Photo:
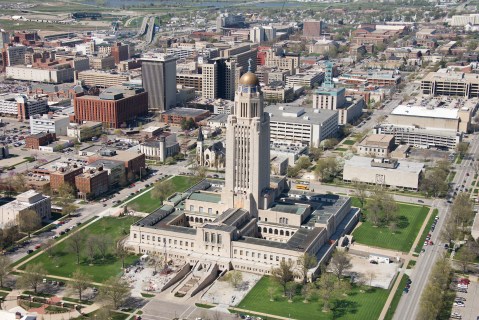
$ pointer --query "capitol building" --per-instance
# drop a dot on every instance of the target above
(251, 221)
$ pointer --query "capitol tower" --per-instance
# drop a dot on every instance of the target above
(248, 156)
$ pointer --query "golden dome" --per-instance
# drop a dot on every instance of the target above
(249, 79)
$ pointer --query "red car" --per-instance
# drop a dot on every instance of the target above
(465, 281)
(38, 246)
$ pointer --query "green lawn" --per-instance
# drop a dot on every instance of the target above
(349, 142)
(397, 296)
(101, 270)
(420, 244)
(356, 306)
(410, 219)
(145, 203)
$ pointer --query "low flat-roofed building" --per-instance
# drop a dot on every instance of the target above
(308, 79)
(385, 172)
(103, 79)
(49, 122)
(376, 145)
(278, 92)
(34, 141)
(85, 131)
(114, 168)
(421, 138)
(288, 150)
(29, 200)
(450, 83)
(177, 115)
(64, 174)
(304, 125)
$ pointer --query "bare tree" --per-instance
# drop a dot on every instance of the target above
(79, 282)
(370, 275)
(290, 290)
(5, 268)
(283, 274)
(162, 190)
(360, 191)
(235, 278)
(49, 247)
(103, 244)
(340, 262)
(32, 277)
(75, 244)
(271, 291)
(29, 221)
(330, 288)
(114, 292)
(306, 262)
(121, 252)
(91, 248)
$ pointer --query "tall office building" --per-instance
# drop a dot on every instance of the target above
(219, 79)
(159, 80)
(247, 139)
(312, 29)
(257, 35)
(120, 52)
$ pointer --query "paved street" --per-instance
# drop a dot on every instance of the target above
(409, 304)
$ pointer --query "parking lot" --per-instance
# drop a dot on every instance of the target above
(469, 308)
(383, 273)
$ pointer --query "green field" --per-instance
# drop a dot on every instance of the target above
(356, 306)
(145, 203)
(349, 142)
(397, 296)
(115, 228)
(410, 219)
(420, 244)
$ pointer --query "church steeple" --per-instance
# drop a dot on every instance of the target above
(200, 135)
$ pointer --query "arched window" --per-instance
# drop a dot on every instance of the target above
(270, 230)
(287, 233)
(201, 220)
(275, 231)
(281, 232)
(196, 219)
(265, 230)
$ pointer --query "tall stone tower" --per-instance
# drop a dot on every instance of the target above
(199, 148)
(247, 145)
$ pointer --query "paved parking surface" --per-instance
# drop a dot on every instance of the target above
(470, 311)
(166, 310)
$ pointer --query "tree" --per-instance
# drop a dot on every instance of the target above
(330, 143)
(330, 288)
(283, 274)
(5, 268)
(462, 148)
(303, 163)
(20, 183)
(32, 277)
(121, 253)
(327, 169)
(315, 153)
(103, 244)
(162, 190)
(157, 261)
(292, 172)
(49, 246)
(271, 291)
(360, 191)
(340, 262)
(306, 262)
(235, 278)
(370, 275)
(79, 282)
(29, 221)
(91, 248)
(75, 244)
(114, 292)
(450, 231)
(308, 291)
(10, 234)
(290, 290)
(381, 208)
(465, 257)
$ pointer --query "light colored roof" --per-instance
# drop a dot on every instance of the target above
(417, 111)
(377, 139)
(288, 113)
(365, 162)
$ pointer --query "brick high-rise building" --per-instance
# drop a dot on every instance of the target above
(92, 183)
(114, 107)
(64, 175)
(119, 52)
(312, 29)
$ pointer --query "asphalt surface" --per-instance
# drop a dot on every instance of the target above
(409, 304)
